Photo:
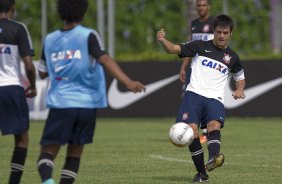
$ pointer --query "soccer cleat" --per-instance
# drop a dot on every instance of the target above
(215, 162)
(200, 178)
(49, 181)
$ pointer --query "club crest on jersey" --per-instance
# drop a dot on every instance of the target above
(227, 58)
(206, 28)
(66, 55)
(185, 116)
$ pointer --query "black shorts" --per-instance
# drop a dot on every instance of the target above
(200, 110)
(69, 126)
(14, 113)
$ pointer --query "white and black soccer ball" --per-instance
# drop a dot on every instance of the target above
(181, 134)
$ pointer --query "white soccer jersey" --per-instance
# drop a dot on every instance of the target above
(15, 43)
(210, 68)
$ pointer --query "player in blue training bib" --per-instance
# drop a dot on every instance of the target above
(74, 59)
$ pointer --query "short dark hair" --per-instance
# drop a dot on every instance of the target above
(6, 5)
(209, 2)
(223, 21)
(72, 10)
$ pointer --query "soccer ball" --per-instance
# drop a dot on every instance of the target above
(181, 134)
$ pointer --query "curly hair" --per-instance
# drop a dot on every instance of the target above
(72, 10)
(6, 5)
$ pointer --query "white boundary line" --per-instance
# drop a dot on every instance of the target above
(161, 157)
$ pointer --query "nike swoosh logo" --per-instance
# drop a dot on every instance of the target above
(208, 51)
(251, 92)
(120, 100)
(59, 68)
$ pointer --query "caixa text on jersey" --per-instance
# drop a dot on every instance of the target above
(4, 50)
(66, 55)
(216, 66)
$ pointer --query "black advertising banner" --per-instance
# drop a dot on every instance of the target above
(163, 91)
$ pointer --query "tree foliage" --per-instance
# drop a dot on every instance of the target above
(251, 36)
(137, 22)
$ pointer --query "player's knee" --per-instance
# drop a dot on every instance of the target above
(21, 140)
(213, 125)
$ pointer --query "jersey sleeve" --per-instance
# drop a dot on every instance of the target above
(189, 49)
(96, 47)
(238, 71)
(25, 43)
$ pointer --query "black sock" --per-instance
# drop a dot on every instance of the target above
(197, 154)
(17, 165)
(214, 140)
(45, 166)
(70, 170)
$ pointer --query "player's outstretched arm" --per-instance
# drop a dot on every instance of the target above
(115, 71)
(239, 91)
(168, 46)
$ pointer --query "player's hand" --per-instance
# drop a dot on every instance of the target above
(30, 92)
(182, 75)
(161, 35)
(238, 94)
(135, 86)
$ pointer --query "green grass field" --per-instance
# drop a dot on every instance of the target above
(137, 151)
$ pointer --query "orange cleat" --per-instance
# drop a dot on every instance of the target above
(203, 139)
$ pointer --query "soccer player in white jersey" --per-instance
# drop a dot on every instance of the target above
(15, 44)
(201, 29)
(203, 101)
(73, 57)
